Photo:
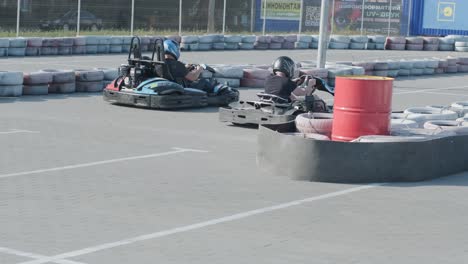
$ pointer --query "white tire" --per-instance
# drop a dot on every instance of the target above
(320, 123)
(61, 76)
(110, 74)
(461, 108)
(403, 123)
(460, 128)
(37, 78)
(11, 78)
(423, 114)
(235, 72)
(88, 75)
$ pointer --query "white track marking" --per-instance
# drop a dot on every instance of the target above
(17, 131)
(200, 225)
(34, 256)
(103, 162)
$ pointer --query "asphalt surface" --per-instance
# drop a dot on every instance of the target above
(84, 181)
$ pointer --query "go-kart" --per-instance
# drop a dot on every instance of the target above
(141, 83)
(272, 109)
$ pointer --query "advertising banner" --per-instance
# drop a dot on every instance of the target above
(281, 9)
(445, 14)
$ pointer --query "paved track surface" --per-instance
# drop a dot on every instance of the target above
(84, 181)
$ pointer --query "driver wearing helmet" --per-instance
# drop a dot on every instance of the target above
(178, 72)
(280, 83)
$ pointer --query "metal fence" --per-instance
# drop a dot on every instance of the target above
(75, 17)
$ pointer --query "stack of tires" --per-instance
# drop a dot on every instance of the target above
(463, 64)
(89, 80)
(11, 84)
(405, 68)
(338, 70)
(276, 42)
(289, 42)
(381, 68)
(63, 81)
(339, 42)
(446, 44)
(36, 83)
(49, 46)
(314, 42)
(34, 47)
(262, 42)
(419, 67)
(247, 42)
(231, 42)
(414, 43)
(79, 46)
(431, 43)
(116, 44)
(431, 66)
(126, 41)
(393, 68)
(206, 42)
(376, 42)
(218, 42)
(367, 66)
(461, 44)
(303, 42)
(92, 43)
(443, 64)
(189, 43)
(312, 124)
(254, 78)
(4, 44)
(395, 43)
(229, 75)
(103, 45)
(65, 46)
(17, 47)
(110, 74)
(452, 65)
(358, 42)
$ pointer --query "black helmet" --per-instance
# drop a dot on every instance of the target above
(285, 65)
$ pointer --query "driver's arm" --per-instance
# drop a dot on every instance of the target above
(194, 74)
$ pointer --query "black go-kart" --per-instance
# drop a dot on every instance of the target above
(141, 83)
(271, 109)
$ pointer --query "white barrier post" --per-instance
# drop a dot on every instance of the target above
(78, 19)
(18, 17)
(252, 16)
(224, 17)
(410, 11)
(301, 16)
(323, 37)
(333, 18)
(132, 19)
(264, 15)
(389, 18)
(362, 16)
(180, 18)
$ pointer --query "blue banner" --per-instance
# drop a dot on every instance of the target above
(445, 14)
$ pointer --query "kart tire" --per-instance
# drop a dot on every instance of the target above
(11, 90)
(388, 139)
(463, 60)
(304, 38)
(39, 89)
(79, 50)
(379, 46)
(89, 87)
(60, 76)
(91, 49)
(256, 73)
(417, 64)
(246, 46)
(5, 43)
(89, 75)
(115, 49)
(33, 51)
(432, 63)
(301, 45)
(37, 78)
(231, 46)
(392, 73)
(252, 83)
(18, 43)
(320, 123)
(34, 42)
(275, 46)
(406, 65)
(65, 50)
(16, 52)
(11, 78)
(62, 88)
(110, 74)
(249, 39)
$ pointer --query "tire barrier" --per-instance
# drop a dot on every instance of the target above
(89, 80)
(457, 127)
(36, 83)
(11, 84)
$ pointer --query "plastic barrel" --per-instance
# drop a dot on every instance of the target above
(362, 107)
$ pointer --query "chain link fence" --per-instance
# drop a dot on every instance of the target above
(155, 17)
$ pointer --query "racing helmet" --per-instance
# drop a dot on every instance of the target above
(172, 48)
(285, 65)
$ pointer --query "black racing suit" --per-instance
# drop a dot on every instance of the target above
(279, 86)
(177, 73)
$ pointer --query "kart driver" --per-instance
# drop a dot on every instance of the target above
(280, 83)
(179, 72)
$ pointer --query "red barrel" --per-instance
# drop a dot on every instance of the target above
(362, 107)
